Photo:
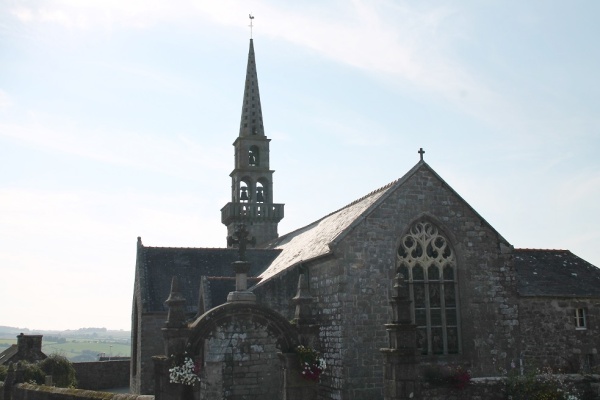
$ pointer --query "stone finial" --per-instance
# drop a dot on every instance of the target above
(242, 238)
(176, 304)
(303, 299)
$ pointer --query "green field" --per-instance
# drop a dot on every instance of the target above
(76, 349)
(80, 347)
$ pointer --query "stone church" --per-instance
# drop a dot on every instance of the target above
(475, 300)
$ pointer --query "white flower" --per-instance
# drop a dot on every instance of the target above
(184, 373)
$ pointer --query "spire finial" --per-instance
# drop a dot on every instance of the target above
(251, 25)
(421, 152)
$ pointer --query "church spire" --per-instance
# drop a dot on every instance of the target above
(252, 179)
(252, 122)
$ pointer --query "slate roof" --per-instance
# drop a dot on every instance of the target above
(160, 264)
(7, 355)
(555, 273)
(314, 240)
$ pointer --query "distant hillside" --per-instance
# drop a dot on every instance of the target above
(9, 330)
(84, 344)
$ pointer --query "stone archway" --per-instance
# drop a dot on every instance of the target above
(238, 344)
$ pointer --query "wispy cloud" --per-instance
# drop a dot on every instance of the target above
(104, 14)
(411, 46)
(399, 40)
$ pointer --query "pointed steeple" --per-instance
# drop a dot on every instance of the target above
(251, 122)
(252, 179)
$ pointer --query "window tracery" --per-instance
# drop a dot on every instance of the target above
(426, 260)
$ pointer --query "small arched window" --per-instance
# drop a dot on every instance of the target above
(253, 156)
(426, 260)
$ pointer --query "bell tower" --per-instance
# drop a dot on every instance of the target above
(252, 179)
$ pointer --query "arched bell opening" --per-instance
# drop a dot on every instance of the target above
(260, 192)
(254, 156)
(263, 194)
(244, 192)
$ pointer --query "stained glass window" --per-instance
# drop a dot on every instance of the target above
(427, 262)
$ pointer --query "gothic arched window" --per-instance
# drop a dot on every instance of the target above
(427, 262)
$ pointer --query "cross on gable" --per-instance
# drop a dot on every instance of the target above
(241, 238)
(421, 152)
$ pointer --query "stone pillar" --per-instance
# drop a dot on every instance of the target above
(175, 338)
(241, 283)
(401, 359)
(242, 238)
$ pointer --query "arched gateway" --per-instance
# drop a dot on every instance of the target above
(237, 344)
(236, 351)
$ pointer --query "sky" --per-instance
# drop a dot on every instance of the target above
(117, 120)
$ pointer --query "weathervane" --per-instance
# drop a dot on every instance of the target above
(251, 18)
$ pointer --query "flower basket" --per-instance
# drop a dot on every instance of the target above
(311, 363)
(184, 370)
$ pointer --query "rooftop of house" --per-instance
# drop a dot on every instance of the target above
(555, 273)
(158, 265)
(7, 355)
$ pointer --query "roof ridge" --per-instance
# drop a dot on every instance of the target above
(539, 249)
(382, 188)
(204, 248)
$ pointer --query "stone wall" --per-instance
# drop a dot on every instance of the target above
(25, 391)
(327, 286)
(488, 307)
(478, 389)
(102, 374)
(240, 362)
(588, 387)
(550, 337)
(351, 289)
(278, 292)
(150, 343)
(235, 348)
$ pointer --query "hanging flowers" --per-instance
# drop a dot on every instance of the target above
(311, 363)
(184, 370)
